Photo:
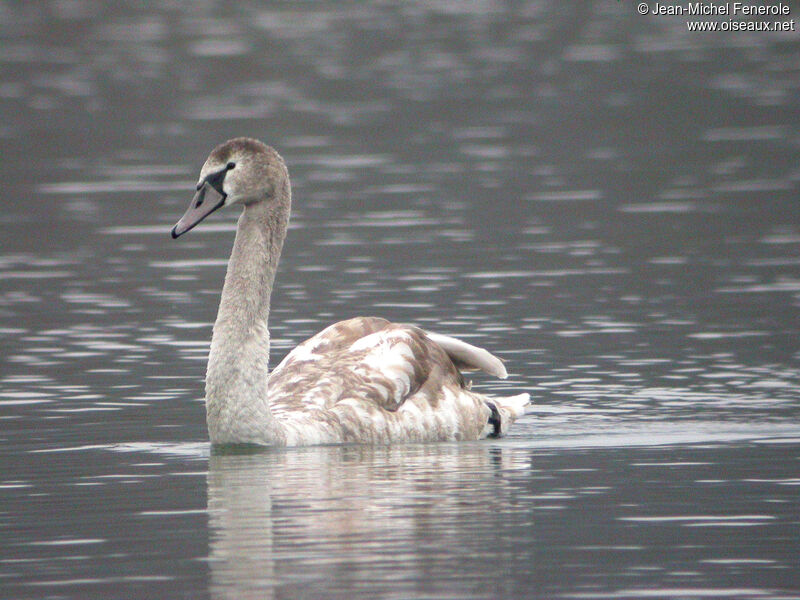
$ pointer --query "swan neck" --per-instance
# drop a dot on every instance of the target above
(237, 407)
(251, 271)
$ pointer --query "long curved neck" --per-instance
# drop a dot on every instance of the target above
(237, 408)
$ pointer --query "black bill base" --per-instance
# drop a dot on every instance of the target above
(205, 201)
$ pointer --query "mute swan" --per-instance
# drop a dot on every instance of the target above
(364, 380)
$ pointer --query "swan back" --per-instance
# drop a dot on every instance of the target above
(370, 380)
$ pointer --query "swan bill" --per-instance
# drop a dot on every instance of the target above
(205, 201)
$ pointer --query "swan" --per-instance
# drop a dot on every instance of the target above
(363, 380)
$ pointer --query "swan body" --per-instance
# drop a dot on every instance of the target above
(363, 380)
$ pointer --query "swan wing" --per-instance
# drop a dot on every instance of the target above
(366, 359)
(468, 357)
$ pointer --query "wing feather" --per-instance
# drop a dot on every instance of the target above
(369, 380)
(469, 357)
(368, 358)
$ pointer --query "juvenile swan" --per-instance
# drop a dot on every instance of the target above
(364, 380)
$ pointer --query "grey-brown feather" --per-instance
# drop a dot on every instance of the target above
(331, 377)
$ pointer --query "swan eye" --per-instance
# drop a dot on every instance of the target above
(230, 165)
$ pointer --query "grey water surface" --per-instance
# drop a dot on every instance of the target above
(605, 200)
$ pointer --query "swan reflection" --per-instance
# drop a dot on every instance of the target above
(344, 519)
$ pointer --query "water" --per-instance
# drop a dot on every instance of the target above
(607, 201)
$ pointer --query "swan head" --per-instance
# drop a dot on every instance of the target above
(240, 171)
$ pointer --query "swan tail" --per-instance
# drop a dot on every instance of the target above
(505, 411)
(517, 405)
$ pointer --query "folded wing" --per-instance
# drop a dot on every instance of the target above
(373, 360)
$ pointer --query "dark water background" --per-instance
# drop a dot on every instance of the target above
(605, 200)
